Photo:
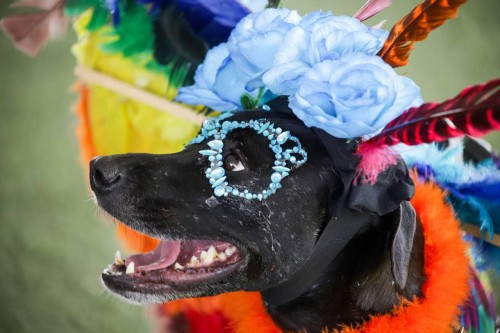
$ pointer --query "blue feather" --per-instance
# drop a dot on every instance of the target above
(473, 191)
(212, 20)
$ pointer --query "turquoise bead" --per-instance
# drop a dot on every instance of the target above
(263, 128)
(208, 152)
(281, 139)
(217, 173)
(219, 191)
(216, 144)
(281, 169)
(218, 130)
(209, 124)
(217, 182)
(275, 177)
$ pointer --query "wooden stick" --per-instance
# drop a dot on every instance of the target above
(162, 104)
(476, 232)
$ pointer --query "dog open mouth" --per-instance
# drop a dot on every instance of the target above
(173, 263)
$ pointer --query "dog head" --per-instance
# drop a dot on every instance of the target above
(210, 244)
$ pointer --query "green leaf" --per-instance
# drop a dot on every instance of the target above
(247, 101)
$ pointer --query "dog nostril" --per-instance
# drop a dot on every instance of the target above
(105, 179)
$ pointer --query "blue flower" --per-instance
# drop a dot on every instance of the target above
(218, 83)
(357, 95)
(255, 39)
(319, 36)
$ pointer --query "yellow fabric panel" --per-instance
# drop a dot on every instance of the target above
(118, 124)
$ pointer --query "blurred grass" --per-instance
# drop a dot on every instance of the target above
(53, 245)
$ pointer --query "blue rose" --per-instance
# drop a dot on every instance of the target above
(218, 83)
(253, 43)
(357, 95)
(319, 36)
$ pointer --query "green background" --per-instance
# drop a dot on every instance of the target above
(53, 244)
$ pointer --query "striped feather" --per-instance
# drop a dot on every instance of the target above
(475, 112)
(415, 26)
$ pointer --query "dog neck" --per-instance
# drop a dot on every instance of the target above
(358, 284)
(347, 298)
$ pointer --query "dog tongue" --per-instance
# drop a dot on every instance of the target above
(164, 255)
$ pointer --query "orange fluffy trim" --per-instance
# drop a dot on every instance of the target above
(446, 266)
(244, 311)
(83, 131)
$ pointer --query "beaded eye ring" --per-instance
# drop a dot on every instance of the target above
(286, 159)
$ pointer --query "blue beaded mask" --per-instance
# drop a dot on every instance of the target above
(286, 159)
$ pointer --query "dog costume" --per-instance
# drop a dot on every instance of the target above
(114, 50)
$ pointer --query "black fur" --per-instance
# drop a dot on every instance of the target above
(168, 196)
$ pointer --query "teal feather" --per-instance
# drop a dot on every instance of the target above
(473, 190)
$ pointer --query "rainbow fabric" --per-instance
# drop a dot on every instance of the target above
(114, 124)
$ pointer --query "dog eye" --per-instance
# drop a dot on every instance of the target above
(232, 162)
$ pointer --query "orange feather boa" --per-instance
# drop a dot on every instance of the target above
(446, 267)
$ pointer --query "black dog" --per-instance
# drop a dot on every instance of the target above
(253, 245)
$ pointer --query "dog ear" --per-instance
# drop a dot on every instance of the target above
(403, 226)
(393, 185)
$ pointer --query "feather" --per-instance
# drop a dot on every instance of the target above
(472, 190)
(212, 20)
(475, 111)
(30, 32)
(39, 4)
(371, 8)
(478, 311)
(415, 26)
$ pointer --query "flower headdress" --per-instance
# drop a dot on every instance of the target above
(336, 73)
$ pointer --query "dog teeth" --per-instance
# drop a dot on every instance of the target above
(212, 253)
(230, 251)
(178, 266)
(194, 262)
(130, 268)
(209, 256)
(118, 258)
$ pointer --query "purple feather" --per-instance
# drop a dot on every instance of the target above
(482, 295)
(371, 8)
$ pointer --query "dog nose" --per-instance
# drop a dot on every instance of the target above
(104, 174)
